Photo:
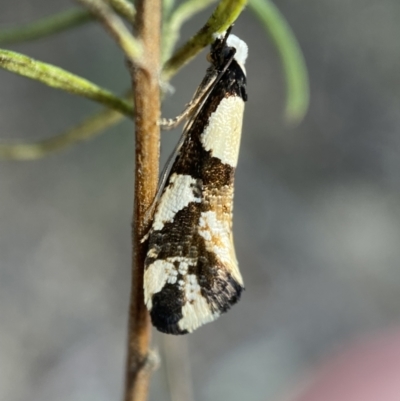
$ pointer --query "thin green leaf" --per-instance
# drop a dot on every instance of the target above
(173, 25)
(296, 76)
(168, 5)
(221, 19)
(45, 27)
(116, 27)
(88, 129)
(61, 79)
(124, 8)
(60, 22)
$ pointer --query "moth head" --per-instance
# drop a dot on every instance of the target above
(225, 47)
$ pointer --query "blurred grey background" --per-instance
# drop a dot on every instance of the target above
(317, 212)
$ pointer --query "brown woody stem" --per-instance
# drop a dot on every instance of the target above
(145, 78)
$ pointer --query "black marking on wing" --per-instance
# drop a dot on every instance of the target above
(167, 309)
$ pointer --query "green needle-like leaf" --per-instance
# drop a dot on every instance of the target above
(184, 12)
(124, 8)
(223, 16)
(45, 27)
(60, 79)
(116, 27)
(294, 66)
(88, 129)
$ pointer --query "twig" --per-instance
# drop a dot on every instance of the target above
(147, 102)
(116, 28)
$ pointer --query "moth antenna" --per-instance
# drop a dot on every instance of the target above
(228, 32)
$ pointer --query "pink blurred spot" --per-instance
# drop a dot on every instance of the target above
(367, 371)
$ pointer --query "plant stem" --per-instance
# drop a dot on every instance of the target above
(145, 78)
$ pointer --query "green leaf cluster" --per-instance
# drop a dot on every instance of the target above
(112, 13)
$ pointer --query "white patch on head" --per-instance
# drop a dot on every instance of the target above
(176, 196)
(156, 276)
(224, 129)
(241, 50)
(241, 47)
(218, 239)
(196, 310)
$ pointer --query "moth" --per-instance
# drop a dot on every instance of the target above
(191, 271)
